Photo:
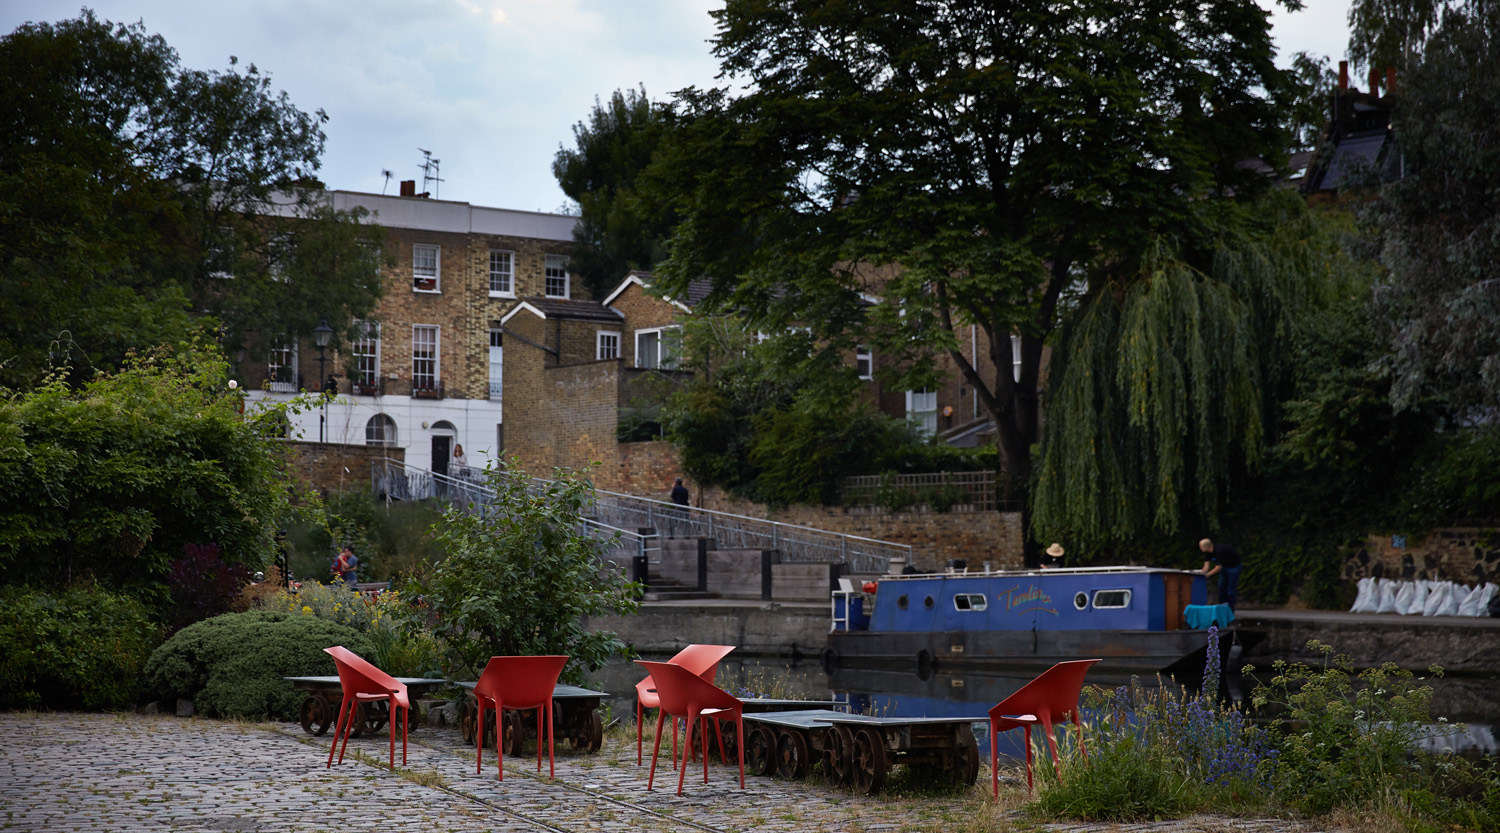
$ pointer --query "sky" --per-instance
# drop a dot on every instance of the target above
(491, 87)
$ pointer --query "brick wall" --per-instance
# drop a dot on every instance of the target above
(934, 537)
(1467, 555)
(646, 469)
(330, 467)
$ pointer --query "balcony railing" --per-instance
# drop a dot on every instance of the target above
(424, 389)
(284, 385)
(367, 387)
(495, 388)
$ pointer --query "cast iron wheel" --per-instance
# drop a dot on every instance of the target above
(596, 732)
(760, 751)
(586, 731)
(967, 768)
(515, 734)
(467, 717)
(840, 755)
(791, 755)
(316, 716)
(731, 741)
(869, 764)
(375, 718)
(359, 718)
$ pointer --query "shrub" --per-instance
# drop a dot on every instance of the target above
(232, 665)
(80, 647)
(522, 579)
(401, 643)
(203, 585)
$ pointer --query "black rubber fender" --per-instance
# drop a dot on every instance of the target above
(925, 663)
(831, 659)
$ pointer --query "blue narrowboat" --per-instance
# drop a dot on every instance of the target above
(1135, 618)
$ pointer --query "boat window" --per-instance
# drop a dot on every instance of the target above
(969, 601)
(1106, 599)
(927, 602)
(1081, 600)
(901, 601)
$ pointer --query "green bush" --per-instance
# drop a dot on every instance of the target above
(232, 665)
(80, 647)
(402, 644)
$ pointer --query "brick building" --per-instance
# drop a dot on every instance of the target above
(429, 375)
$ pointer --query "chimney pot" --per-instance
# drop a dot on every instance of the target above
(408, 187)
(1343, 75)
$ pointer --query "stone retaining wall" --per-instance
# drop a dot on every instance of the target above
(1468, 555)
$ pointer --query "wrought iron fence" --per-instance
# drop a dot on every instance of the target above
(944, 491)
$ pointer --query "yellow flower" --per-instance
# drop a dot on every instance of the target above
(306, 610)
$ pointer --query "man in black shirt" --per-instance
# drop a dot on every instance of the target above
(1224, 560)
(680, 493)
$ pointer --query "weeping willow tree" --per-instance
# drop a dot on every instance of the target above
(1164, 385)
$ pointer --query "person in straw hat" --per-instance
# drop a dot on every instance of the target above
(1054, 556)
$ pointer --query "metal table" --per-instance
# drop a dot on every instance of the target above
(575, 718)
(325, 695)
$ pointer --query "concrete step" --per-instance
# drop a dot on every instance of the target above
(685, 594)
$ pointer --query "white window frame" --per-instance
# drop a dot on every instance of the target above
(437, 268)
(863, 353)
(436, 358)
(600, 337)
(385, 423)
(971, 602)
(279, 251)
(366, 352)
(502, 281)
(496, 362)
(1120, 596)
(557, 264)
(922, 417)
(664, 361)
(286, 346)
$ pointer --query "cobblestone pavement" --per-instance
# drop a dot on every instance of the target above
(89, 772)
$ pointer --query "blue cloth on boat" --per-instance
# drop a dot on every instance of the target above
(1201, 616)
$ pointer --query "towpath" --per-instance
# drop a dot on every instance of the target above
(109, 773)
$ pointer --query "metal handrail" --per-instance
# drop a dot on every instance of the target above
(796, 543)
(396, 480)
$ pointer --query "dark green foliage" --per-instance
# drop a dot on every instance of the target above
(1456, 480)
(1122, 781)
(77, 647)
(129, 183)
(1438, 226)
(965, 163)
(202, 585)
(232, 665)
(619, 228)
(114, 478)
(522, 580)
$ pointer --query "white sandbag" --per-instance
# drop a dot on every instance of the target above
(1449, 607)
(1368, 598)
(1470, 605)
(1387, 597)
(1417, 604)
(1438, 598)
(1405, 592)
(1490, 589)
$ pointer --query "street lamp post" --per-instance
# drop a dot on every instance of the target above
(321, 334)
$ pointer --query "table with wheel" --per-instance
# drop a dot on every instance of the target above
(858, 750)
(325, 695)
(575, 718)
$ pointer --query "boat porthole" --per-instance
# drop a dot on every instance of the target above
(928, 603)
(1081, 600)
(901, 601)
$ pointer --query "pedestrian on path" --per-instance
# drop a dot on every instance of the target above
(1224, 561)
(679, 493)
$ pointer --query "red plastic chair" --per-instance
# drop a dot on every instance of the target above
(364, 683)
(1050, 698)
(682, 693)
(517, 683)
(702, 660)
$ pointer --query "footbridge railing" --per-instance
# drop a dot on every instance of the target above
(616, 511)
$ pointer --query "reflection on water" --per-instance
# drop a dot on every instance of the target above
(945, 693)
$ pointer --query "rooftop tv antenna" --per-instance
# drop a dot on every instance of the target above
(430, 169)
(387, 174)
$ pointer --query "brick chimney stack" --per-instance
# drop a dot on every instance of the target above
(1374, 82)
(408, 187)
(1343, 75)
(1390, 80)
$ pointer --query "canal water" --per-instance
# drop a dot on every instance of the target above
(1474, 702)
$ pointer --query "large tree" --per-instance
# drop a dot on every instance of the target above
(1438, 226)
(613, 148)
(1012, 161)
(131, 187)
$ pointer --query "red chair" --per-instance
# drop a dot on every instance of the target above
(681, 693)
(364, 683)
(702, 660)
(517, 683)
(1050, 698)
